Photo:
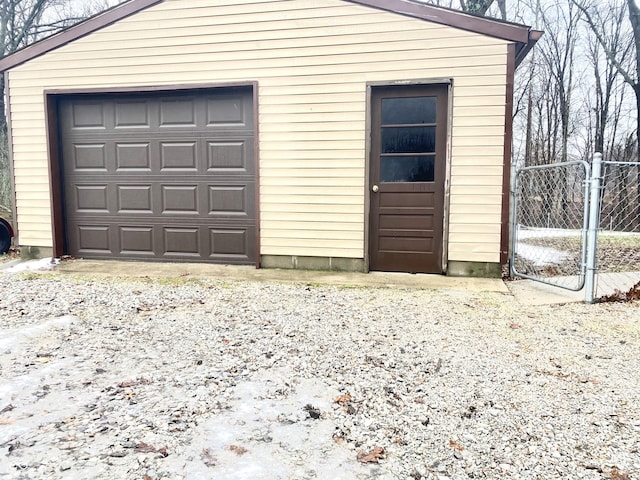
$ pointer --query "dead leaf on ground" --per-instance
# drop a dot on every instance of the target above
(616, 474)
(127, 384)
(455, 445)
(7, 421)
(208, 458)
(372, 457)
(237, 449)
(343, 399)
(133, 383)
(620, 296)
(146, 448)
(346, 402)
(338, 439)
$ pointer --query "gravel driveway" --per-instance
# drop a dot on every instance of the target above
(129, 379)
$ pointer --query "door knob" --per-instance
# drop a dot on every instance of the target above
(375, 188)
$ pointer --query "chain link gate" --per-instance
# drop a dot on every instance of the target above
(550, 221)
(577, 226)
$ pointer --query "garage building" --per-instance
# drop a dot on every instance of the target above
(335, 134)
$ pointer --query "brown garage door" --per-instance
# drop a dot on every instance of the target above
(160, 176)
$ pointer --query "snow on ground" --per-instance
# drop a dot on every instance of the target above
(11, 338)
(40, 265)
(531, 232)
(265, 426)
(28, 384)
(541, 256)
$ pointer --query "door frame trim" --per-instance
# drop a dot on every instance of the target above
(51, 97)
(370, 86)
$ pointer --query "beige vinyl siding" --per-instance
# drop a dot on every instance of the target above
(312, 60)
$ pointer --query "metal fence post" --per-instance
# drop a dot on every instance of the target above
(595, 183)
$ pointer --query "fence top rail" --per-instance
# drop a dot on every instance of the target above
(622, 164)
(556, 165)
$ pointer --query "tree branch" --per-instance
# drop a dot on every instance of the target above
(610, 55)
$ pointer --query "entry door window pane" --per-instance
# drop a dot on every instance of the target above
(410, 110)
(408, 139)
(419, 168)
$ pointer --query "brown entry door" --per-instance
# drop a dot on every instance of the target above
(408, 160)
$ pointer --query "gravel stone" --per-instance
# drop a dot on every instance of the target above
(176, 379)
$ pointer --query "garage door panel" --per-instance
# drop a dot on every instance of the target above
(232, 245)
(92, 199)
(120, 155)
(132, 156)
(229, 242)
(134, 199)
(222, 243)
(94, 239)
(153, 113)
(227, 155)
(232, 199)
(180, 112)
(181, 241)
(132, 114)
(85, 116)
(230, 110)
(179, 199)
(137, 241)
(179, 156)
(88, 115)
(92, 156)
(160, 177)
(228, 197)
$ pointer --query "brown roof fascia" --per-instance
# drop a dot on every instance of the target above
(72, 33)
(522, 35)
(453, 18)
(534, 36)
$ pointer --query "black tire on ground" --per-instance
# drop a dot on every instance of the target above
(5, 239)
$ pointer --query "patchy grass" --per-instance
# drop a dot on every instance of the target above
(616, 253)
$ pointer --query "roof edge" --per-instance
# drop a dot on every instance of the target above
(492, 27)
(74, 32)
(513, 32)
(534, 36)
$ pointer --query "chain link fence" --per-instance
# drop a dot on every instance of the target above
(549, 234)
(618, 249)
(555, 231)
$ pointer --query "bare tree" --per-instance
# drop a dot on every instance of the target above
(23, 22)
(630, 73)
(600, 26)
(476, 7)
